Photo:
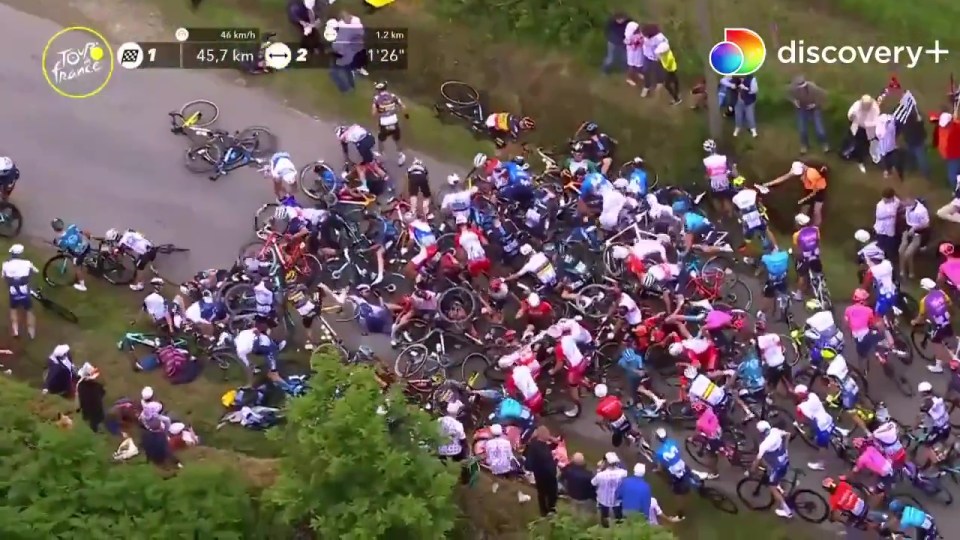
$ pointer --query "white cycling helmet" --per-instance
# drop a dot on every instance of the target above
(526, 249)
(676, 349)
(340, 131)
(620, 252)
(801, 389)
(61, 350)
(690, 372)
(709, 145)
(928, 284)
(660, 433)
(801, 219)
(797, 168)
(16, 249)
(112, 235)
(479, 160)
(763, 426)
(621, 183)
(507, 361)
(533, 300)
(453, 179)
(861, 236)
(5, 164)
(924, 387)
(600, 391)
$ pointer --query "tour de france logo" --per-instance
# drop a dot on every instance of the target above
(77, 62)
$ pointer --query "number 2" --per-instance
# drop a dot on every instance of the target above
(301, 55)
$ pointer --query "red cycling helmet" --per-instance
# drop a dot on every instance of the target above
(698, 407)
(860, 296)
(946, 249)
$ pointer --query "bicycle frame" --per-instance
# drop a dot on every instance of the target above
(638, 234)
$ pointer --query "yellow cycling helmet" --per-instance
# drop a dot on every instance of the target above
(828, 353)
(739, 182)
(229, 398)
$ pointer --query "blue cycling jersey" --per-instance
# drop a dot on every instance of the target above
(638, 178)
(915, 518)
(511, 409)
(593, 184)
(669, 457)
(73, 240)
(630, 359)
(695, 223)
(212, 311)
(777, 264)
(515, 173)
(750, 373)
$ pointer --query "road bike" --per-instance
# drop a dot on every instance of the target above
(194, 120)
(421, 358)
(54, 307)
(754, 492)
(101, 261)
(735, 446)
(293, 262)
(225, 152)
(11, 220)
(462, 101)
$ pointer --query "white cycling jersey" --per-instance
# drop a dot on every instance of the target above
(458, 203)
(135, 242)
(717, 171)
(469, 241)
(746, 203)
(354, 134)
(282, 168)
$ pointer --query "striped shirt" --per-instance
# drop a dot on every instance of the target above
(906, 107)
(886, 135)
(607, 483)
(499, 453)
(452, 430)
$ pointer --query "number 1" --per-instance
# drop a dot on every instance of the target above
(152, 54)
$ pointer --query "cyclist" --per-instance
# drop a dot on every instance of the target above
(845, 505)
(821, 332)
(16, 272)
(537, 264)
(418, 185)
(281, 170)
(774, 452)
(506, 239)
(505, 127)
(752, 216)
(257, 340)
(639, 381)
(471, 242)
(162, 313)
(137, 246)
(364, 142)
(702, 388)
(848, 391)
(886, 433)
(75, 242)
(935, 419)
(386, 108)
(777, 371)
(522, 381)
(614, 202)
(867, 248)
(638, 178)
(776, 263)
(578, 162)
(880, 272)
(904, 516)
(814, 180)
(935, 311)
(719, 170)
(595, 185)
(612, 418)
(509, 412)
(459, 201)
(708, 427)
(373, 314)
(862, 323)
(753, 386)
(669, 458)
(9, 174)
(873, 461)
(421, 303)
(949, 270)
(422, 236)
(806, 240)
(599, 146)
(569, 356)
(810, 411)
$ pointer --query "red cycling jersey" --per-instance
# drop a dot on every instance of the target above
(543, 309)
(610, 409)
(845, 499)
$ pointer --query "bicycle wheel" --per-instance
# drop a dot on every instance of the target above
(411, 360)
(719, 500)
(60, 271)
(167, 249)
(754, 494)
(11, 220)
(902, 347)
(258, 140)
(474, 368)
(203, 158)
(258, 250)
(240, 299)
(118, 270)
(263, 217)
(348, 312)
(680, 412)
(316, 180)
(698, 450)
(921, 343)
(56, 308)
(459, 93)
(200, 112)
(736, 293)
(613, 265)
(809, 505)
(610, 373)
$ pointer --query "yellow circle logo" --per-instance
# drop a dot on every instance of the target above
(77, 62)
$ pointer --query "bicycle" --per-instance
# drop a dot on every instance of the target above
(432, 360)
(224, 152)
(739, 450)
(130, 340)
(101, 261)
(882, 355)
(755, 494)
(818, 284)
(717, 498)
(462, 101)
(11, 220)
(294, 262)
(191, 116)
(54, 307)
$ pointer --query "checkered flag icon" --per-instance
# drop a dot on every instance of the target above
(130, 56)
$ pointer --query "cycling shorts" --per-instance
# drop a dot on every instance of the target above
(885, 304)
(775, 475)
(365, 148)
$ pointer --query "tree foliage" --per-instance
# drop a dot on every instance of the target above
(355, 474)
(63, 484)
(568, 526)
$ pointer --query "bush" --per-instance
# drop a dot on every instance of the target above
(567, 526)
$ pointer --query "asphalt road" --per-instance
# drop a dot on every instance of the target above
(110, 161)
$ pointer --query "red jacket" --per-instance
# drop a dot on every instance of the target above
(946, 139)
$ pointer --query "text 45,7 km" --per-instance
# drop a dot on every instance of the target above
(218, 56)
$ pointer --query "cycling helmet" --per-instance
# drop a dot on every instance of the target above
(946, 249)
(860, 295)
(738, 182)
(519, 161)
(380, 86)
(621, 183)
(797, 168)
(698, 407)
(924, 387)
(16, 249)
(763, 426)
(453, 179)
(590, 127)
(676, 349)
(928, 284)
(638, 161)
(61, 350)
(896, 506)
(664, 239)
(417, 165)
(829, 484)
(6, 164)
(479, 160)
(57, 224)
(600, 391)
(813, 304)
(112, 235)
(861, 236)
(281, 213)
(619, 252)
(157, 282)
(801, 390)
(709, 145)
(680, 206)
(340, 131)
(527, 123)
(533, 300)
(526, 249)
(576, 148)
(690, 372)
(660, 433)
(801, 220)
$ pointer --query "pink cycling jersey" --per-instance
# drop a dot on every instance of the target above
(717, 319)
(858, 317)
(872, 460)
(708, 424)
(951, 269)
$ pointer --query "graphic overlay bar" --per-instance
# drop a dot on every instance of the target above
(386, 35)
(383, 49)
(160, 55)
(222, 34)
(219, 55)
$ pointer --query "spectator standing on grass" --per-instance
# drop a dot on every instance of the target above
(633, 42)
(885, 224)
(539, 460)
(946, 139)
(347, 47)
(303, 17)
(915, 237)
(669, 64)
(610, 475)
(652, 69)
(616, 50)
(914, 134)
(890, 156)
(808, 99)
(863, 115)
(637, 497)
(576, 478)
(90, 394)
(744, 91)
(354, 26)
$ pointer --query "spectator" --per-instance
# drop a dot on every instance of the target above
(454, 447)
(498, 452)
(652, 69)
(915, 237)
(885, 224)
(303, 17)
(633, 43)
(637, 496)
(90, 394)
(577, 484)
(946, 139)
(353, 24)
(670, 80)
(808, 98)
(540, 462)
(914, 139)
(744, 95)
(890, 157)
(616, 51)
(607, 481)
(347, 48)
(60, 371)
(863, 116)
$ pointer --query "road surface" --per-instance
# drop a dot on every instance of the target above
(110, 161)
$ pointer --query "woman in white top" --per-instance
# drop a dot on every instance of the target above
(633, 40)
(863, 116)
(653, 73)
(916, 236)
